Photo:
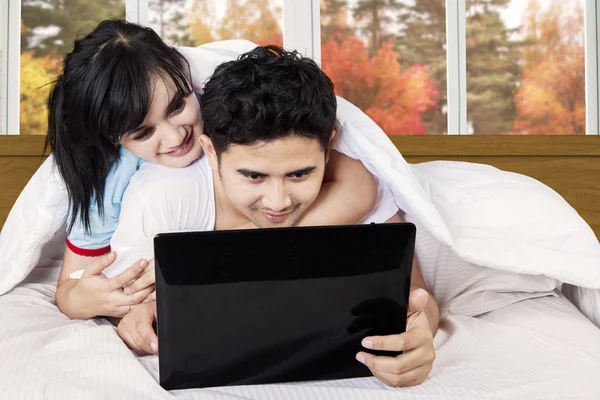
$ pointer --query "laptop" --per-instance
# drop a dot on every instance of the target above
(277, 305)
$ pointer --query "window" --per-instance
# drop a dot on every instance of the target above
(194, 22)
(485, 67)
(3, 64)
(525, 63)
(48, 29)
(389, 58)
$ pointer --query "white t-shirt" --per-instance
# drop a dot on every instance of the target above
(161, 199)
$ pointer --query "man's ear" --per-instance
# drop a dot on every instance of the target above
(333, 133)
(209, 149)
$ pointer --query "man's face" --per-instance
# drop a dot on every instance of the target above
(273, 183)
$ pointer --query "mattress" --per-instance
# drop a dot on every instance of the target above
(540, 348)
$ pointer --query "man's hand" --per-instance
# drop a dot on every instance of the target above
(95, 295)
(136, 329)
(414, 365)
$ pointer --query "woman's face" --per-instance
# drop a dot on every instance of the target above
(169, 135)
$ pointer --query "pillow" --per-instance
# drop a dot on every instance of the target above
(37, 217)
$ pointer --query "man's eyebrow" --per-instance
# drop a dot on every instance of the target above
(247, 172)
(305, 170)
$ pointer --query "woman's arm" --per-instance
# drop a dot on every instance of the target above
(348, 193)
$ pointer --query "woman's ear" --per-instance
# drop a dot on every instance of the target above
(333, 133)
(209, 149)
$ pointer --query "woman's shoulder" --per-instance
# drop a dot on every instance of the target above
(153, 180)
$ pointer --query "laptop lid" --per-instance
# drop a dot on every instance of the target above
(277, 305)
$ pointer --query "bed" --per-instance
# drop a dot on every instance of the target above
(538, 346)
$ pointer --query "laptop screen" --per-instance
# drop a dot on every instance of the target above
(277, 305)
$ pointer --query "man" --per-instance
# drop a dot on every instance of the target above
(269, 127)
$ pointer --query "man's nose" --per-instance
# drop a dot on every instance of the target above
(277, 197)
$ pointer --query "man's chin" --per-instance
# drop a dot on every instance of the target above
(264, 223)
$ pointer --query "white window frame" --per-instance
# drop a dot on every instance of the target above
(302, 32)
(3, 64)
(136, 11)
(302, 27)
(456, 67)
(592, 66)
(13, 65)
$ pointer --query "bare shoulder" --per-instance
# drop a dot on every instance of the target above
(395, 218)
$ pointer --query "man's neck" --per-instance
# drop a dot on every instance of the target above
(226, 215)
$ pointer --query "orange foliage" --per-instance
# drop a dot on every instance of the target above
(37, 73)
(276, 39)
(551, 97)
(393, 98)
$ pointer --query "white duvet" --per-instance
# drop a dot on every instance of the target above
(494, 248)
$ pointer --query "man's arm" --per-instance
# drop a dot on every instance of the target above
(431, 308)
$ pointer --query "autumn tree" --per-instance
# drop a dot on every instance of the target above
(421, 40)
(253, 20)
(48, 29)
(492, 69)
(202, 21)
(394, 98)
(37, 73)
(551, 97)
(73, 18)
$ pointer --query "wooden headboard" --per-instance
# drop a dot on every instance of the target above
(568, 164)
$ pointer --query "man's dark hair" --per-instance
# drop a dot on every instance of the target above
(268, 94)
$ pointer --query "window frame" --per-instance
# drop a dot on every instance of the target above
(3, 64)
(456, 67)
(11, 85)
(302, 32)
(592, 66)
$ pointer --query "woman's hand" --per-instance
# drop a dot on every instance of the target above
(95, 295)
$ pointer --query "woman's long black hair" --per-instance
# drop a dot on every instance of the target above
(103, 93)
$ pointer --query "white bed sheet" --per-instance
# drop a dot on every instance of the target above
(539, 348)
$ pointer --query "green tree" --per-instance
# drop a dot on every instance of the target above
(73, 18)
(492, 68)
(421, 40)
(375, 16)
(169, 21)
(334, 18)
